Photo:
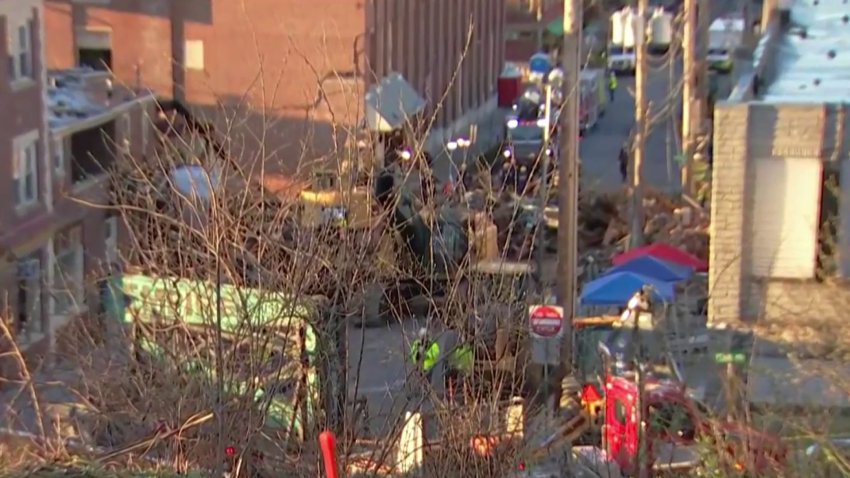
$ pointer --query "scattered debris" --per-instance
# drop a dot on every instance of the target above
(604, 222)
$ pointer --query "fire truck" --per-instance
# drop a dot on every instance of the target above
(525, 130)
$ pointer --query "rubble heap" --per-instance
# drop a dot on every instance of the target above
(604, 221)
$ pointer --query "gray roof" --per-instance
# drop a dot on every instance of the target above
(813, 55)
(391, 103)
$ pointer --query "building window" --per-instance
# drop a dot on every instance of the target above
(20, 52)
(59, 156)
(25, 172)
(110, 241)
(92, 152)
(29, 294)
(68, 288)
(194, 51)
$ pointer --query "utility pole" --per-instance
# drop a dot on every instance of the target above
(543, 187)
(568, 182)
(703, 23)
(689, 95)
(568, 179)
(543, 198)
(539, 17)
(636, 236)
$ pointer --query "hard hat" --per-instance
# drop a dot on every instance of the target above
(422, 333)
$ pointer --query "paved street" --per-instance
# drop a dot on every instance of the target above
(600, 147)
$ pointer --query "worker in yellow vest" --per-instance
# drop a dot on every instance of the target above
(447, 354)
(459, 369)
(425, 353)
(612, 86)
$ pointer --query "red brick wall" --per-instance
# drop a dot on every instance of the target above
(59, 34)
(22, 113)
(296, 43)
(141, 38)
(269, 55)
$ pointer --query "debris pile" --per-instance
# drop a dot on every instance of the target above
(604, 221)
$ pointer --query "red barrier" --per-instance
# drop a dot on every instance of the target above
(327, 441)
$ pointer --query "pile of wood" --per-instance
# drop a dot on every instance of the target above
(604, 221)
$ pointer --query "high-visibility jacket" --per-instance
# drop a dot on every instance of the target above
(462, 359)
(429, 357)
(612, 82)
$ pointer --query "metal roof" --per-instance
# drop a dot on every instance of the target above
(391, 103)
(813, 55)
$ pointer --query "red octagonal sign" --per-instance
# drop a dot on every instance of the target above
(545, 320)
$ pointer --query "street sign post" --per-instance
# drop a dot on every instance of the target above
(726, 358)
(546, 321)
(546, 326)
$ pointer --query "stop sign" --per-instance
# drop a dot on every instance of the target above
(545, 320)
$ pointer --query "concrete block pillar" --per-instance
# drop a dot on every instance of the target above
(728, 193)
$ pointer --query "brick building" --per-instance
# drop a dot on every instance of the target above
(58, 132)
(277, 73)
(780, 233)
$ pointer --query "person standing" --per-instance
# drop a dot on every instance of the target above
(612, 86)
(624, 164)
(424, 353)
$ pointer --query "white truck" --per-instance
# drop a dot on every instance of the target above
(724, 36)
(660, 31)
(626, 30)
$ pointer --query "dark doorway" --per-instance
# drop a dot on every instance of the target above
(97, 59)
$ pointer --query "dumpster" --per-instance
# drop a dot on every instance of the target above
(509, 86)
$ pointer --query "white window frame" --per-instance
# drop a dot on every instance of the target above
(58, 160)
(34, 325)
(68, 283)
(20, 52)
(25, 167)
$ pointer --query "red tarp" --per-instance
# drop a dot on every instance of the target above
(665, 252)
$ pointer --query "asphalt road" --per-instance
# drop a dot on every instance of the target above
(601, 146)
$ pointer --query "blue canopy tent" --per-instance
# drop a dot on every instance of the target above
(617, 288)
(655, 268)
